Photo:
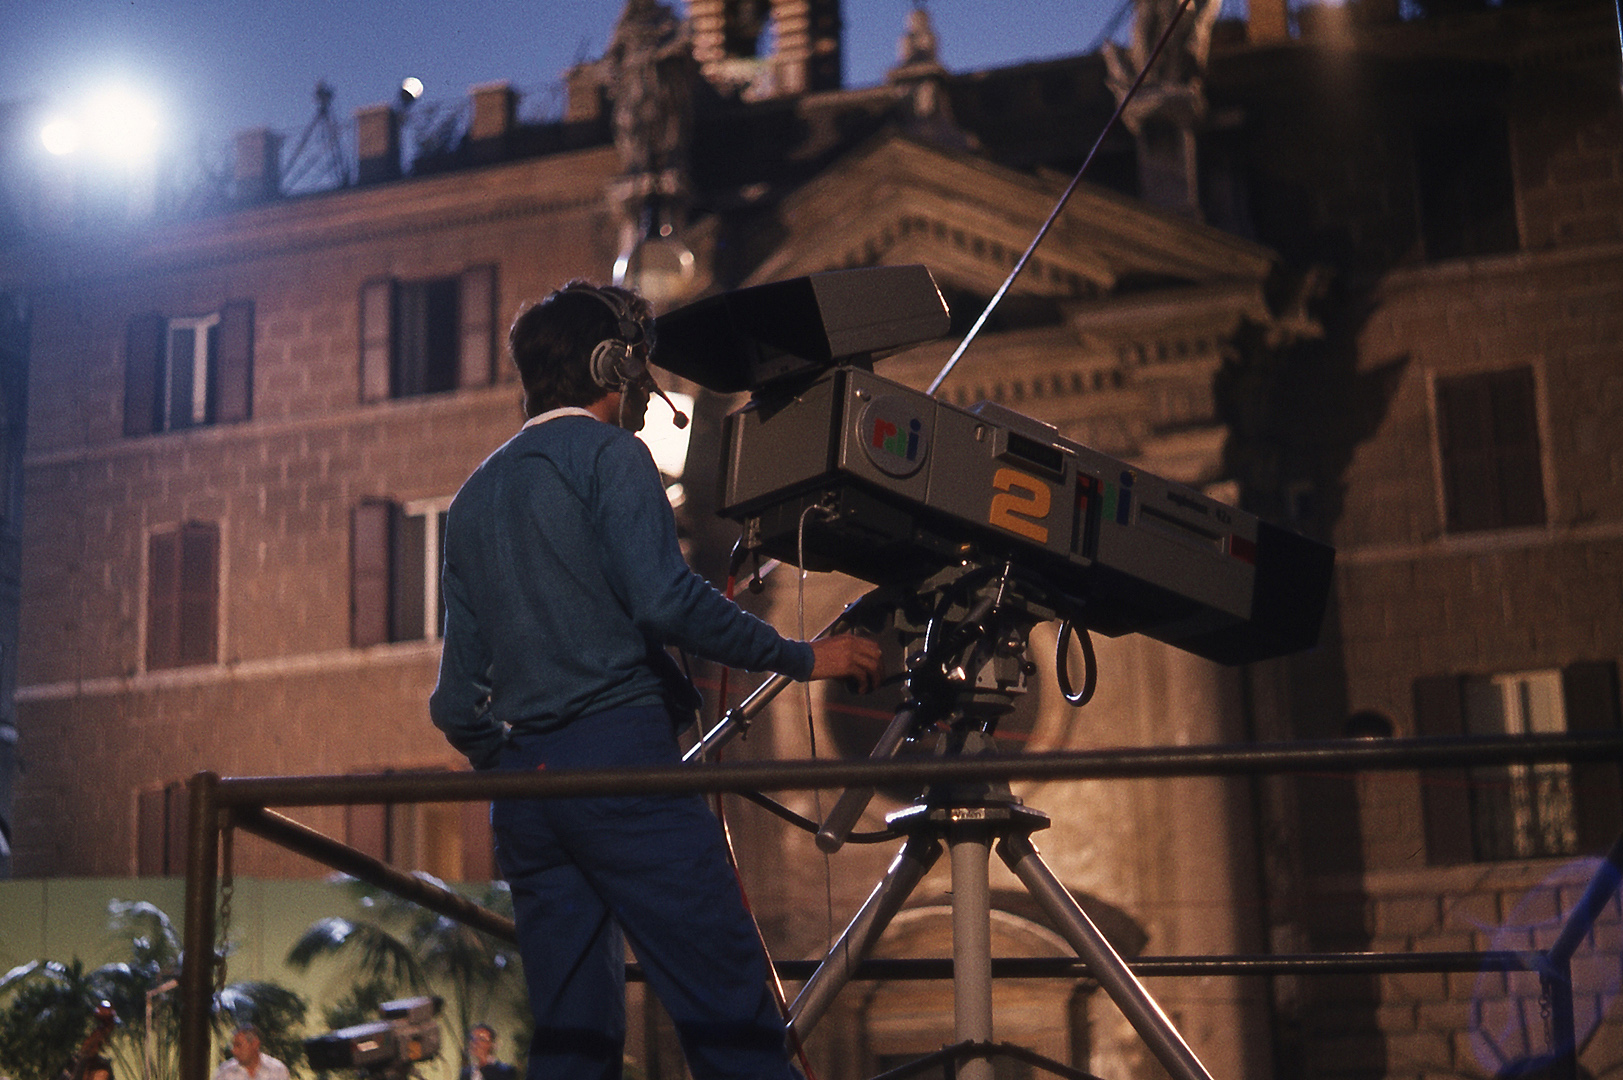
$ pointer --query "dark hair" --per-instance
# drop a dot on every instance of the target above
(552, 341)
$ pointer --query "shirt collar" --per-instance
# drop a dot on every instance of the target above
(553, 414)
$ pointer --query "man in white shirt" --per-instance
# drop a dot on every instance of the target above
(246, 1062)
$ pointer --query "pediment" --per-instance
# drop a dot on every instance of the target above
(969, 220)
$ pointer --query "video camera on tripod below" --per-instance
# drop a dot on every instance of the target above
(408, 1033)
(890, 485)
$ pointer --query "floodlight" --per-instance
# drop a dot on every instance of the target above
(61, 136)
(121, 125)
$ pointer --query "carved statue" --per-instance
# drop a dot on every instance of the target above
(1175, 85)
(651, 70)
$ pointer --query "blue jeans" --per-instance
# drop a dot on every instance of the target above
(584, 870)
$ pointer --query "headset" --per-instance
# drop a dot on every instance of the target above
(621, 362)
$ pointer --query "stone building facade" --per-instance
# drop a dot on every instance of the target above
(1380, 303)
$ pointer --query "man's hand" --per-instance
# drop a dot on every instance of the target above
(848, 657)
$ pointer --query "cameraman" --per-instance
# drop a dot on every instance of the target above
(563, 584)
(482, 1063)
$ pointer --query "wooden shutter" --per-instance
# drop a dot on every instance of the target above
(1589, 692)
(478, 847)
(1487, 431)
(163, 600)
(151, 832)
(1445, 794)
(177, 807)
(1465, 437)
(199, 597)
(477, 362)
(234, 368)
(143, 360)
(377, 338)
(366, 829)
(410, 558)
(371, 573)
(1517, 466)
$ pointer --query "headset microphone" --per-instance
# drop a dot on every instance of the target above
(679, 419)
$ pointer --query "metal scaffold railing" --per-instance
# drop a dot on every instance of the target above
(219, 805)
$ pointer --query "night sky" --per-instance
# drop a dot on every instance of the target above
(213, 67)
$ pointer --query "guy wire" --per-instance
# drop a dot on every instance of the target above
(997, 297)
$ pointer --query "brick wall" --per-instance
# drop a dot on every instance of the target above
(295, 697)
(1434, 1023)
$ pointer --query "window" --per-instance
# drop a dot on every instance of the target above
(1467, 192)
(160, 842)
(428, 336)
(395, 571)
(188, 371)
(1487, 435)
(1520, 811)
(183, 596)
(452, 841)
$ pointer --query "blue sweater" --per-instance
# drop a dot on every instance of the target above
(562, 576)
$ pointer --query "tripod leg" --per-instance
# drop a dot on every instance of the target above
(972, 944)
(1103, 961)
(887, 898)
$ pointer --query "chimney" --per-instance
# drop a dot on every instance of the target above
(584, 83)
(377, 138)
(495, 107)
(1268, 22)
(258, 174)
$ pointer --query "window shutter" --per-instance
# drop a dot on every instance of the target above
(478, 847)
(1465, 436)
(373, 528)
(177, 807)
(163, 600)
(234, 382)
(477, 363)
(410, 557)
(366, 829)
(199, 594)
(1445, 794)
(143, 360)
(1487, 432)
(1515, 438)
(151, 832)
(377, 337)
(1591, 699)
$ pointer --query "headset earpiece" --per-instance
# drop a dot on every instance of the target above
(622, 360)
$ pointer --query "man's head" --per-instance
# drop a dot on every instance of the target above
(481, 1043)
(245, 1045)
(98, 1068)
(581, 344)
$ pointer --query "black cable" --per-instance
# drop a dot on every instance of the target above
(1062, 673)
(766, 802)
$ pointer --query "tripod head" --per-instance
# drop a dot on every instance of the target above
(967, 634)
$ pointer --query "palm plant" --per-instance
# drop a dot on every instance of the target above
(49, 1006)
(405, 949)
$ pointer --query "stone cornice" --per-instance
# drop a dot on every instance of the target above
(1101, 236)
(330, 220)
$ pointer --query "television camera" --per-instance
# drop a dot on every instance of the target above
(890, 485)
(408, 1032)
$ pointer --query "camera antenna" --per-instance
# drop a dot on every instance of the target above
(997, 297)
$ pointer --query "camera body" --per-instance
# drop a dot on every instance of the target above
(408, 1033)
(891, 485)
